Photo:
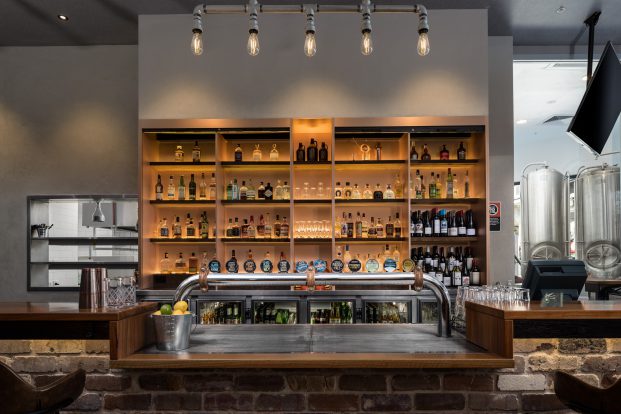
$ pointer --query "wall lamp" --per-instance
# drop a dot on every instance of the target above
(253, 8)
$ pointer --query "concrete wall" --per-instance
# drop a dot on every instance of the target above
(68, 124)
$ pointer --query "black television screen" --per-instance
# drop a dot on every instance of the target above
(567, 276)
(600, 105)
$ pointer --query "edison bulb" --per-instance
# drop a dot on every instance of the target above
(310, 44)
(423, 44)
(366, 44)
(253, 43)
(197, 43)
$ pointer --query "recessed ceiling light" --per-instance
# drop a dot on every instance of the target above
(561, 10)
(521, 121)
(62, 17)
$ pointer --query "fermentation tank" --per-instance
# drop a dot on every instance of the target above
(543, 225)
(597, 220)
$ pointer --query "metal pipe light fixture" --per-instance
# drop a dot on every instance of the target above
(366, 43)
(423, 30)
(253, 32)
(197, 31)
(310, 43)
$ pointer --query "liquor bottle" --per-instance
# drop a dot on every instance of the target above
(192, 188)
(190, 229)
(372, 232)
(323, 153)
(431, 271)
(196, 152)
(181, 266)
(252, 230)
(389, 194)
(269, 192)
(277, 227)
(461, 152)
(378, 194)
(229, 228)
(284, 228)
(343, 230)
(456, 193)
(193, 264)
(358, 226)
(398, 187)
(311, 151)
(347, 191)
(266, 263)
(350, 226)
(467, 186)
(470, 227)
(179, 154)
(278, 191)
(367, 194)
(159, 189)
(435, 257)
(442, 260)
(346, 258)
(426, 156)
(413, 153)
(396, 255)
(283, 264)
(171, 189)
(436, 223)
(443, 224)
(235, 190)
(432, 186)
(338, 191)
(378, 152)
(449, 184)
(397, 226)
(212, 187)
(438, 186)
(236, 228)
(177, 229)
(231, 265)
(165, 265)
(261, 191)
(427, 225)
(261, 227)
(164, 231)
(238, 153)
(390, 228)
(475, 276)
(300, 153)
(268, 227)
(243, 191)
(256, 153)
(274, 153)
(244, 229)
(450, 263)
(379, 228)
(249, 265)
(202, 188)
(204, 226)
(420, 193)
(452, 225)
(444, 153)
(214, 265)
(355, 193)
(181, 189)
(229, 190)
(251, 193)
(457, 280)
(286, 191)
(365, 226)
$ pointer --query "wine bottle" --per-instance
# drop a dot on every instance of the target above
(436, 223)
(427, 227)
(470, 227)
(461, 225)
(443, 224)
(192, 188)
(475, 274)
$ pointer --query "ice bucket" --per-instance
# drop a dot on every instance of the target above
(172, 332)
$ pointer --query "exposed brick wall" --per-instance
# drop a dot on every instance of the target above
(526, 388)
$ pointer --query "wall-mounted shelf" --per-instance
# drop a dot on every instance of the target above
(417, 164)
(240, 240)
(445, 201)
(256, 202)
(198, 203)
(81, 265)
(86, 241)
(181, 241)
(181, 164)
(374, 240)
(370, 202)
(417, 241)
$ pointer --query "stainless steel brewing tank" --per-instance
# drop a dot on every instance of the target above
(543, 225)
(597, 221)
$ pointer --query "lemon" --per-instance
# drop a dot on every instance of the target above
(166, 310)
(182, 305)
(177, 312)
(186, 312)
(157, 313)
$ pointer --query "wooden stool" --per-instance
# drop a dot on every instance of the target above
(585, 398)
(19, 397)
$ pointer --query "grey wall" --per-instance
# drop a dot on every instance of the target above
(68, 125)
(501, 154)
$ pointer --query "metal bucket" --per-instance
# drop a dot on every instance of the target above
(172, 332)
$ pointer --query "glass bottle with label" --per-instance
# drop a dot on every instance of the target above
(159, 188)
(274, 153)
(238, 153)
(229, 228)
(338, 191)
(346, 257)
(192, 188)
(243, 191)
(261, 191)
(427, 225)
(456, 189)
(397, 226)
(367, 194)
(323, 153)
(196, 152)
(179, 154)
(390, 227)
(190, 229)
(268, 194)
(378, 193)
(467, 186)
(355, 193)
(244, 229)
(365, 226)
(177, 228)
(311, 151)
(470, 227)
(212, 187)
(432, 186)
(443, 224)
(181, 266)
(378, 152)
(202, 188)
(475, 276)
(300, 153)
(379, 228)
(347, 191)
(268, 227)
(252, 229)
(278, 191)
(452, 225)
(236, 231)
(444, 153)
(438, 186)
(284, 228)
(277, 226)
(261, 227)
(250, 191)
(398, 187)
(449, 184)
(426, 156)
(286, 191)
(256, 153)
(165, 265)
(350, 226)
(181, 189)
(193, 264)
(396, 255)
(389, 194)
(250, 265)
(204, 226)
(231, 265)
(358, 226)
(413, 153)
(164, 231)
(461, 152)
(372, 232)
(171, 189)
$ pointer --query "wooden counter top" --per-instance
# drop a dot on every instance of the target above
(532, 311)
(51, 311)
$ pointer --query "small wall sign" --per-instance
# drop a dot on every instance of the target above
(494, 216)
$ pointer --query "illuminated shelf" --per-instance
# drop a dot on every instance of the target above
(240, 240)
(180, 164)
(443, 162)
(417, 241)
(371, 162)
(207, 203)
(80, 265)
(445, 201)
(163, 240)
(313, 201)
(255, 202)
(370, 240)
(369, 202)
(309, 240)
(231, 164)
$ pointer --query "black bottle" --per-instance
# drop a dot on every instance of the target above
(269, 192)
(249, 265)
(323, 153)
(378, 194)
(231, 264)
(311, 151)
(300, 153)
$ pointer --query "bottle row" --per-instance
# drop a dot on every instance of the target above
(186, 192)
(361, 228)
(444, 153)
(263, 229)
(457, 268)
(442, 223)
(234, 191)
(189, 228)
(434, 188)
(392, 191)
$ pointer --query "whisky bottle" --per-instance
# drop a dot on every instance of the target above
(344, 226)
(461, 152)
(190, 230)
(338, 191)
(181, 266)
(256, 153)
(214, 265)
(278, 191)
(467, 186)
(244, 229)
(355, 193)
(159, 188)
(266, 263)
(249, 265)
(238, 153)
(389, 194)
(202, 188)
(251, 193)
(229, 228)
(300, 153)
(243, 191)
(231, 265)
(286, 191)
(365, 226)
(171, 188)
(212, 187)
(165, 265)
(311, 151)
(367, 194)
(236, 228)
(177, 229)
(192, 188)
(438, 186)
(193, 264)
(379, 228)
(413, 153)
(181, 189)
(204, 226)
(323, 153)
(390, 228)
(179, 154)
(284, 228)
(268, 227)
(196, 152)
(397, 226)
(252, 230)
(261, 191)
(277, 227)
(444, 153)
(164, 232)
(449, 184)
(426, 156)
(432, 186)
(347, 191)
(378, 194)
(261, 227)
(274, 153)
(372, 233)
(283, 264)
(378, 152)
(398, 187)
(350, 226)
(268, 194)
(358, 226)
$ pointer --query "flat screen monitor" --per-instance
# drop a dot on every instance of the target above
(600, 105)
(567, 276)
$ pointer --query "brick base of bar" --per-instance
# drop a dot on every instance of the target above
(526, 388)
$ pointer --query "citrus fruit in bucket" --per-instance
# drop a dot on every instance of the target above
(166, 309)
(157, 313)
(182, 305)
(177, 312)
